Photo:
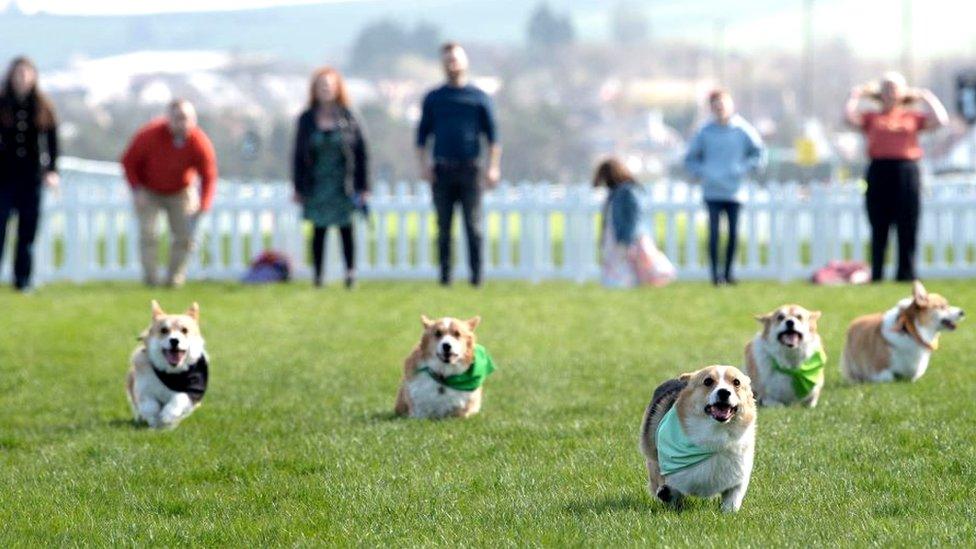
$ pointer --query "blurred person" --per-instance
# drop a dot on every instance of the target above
(162, 164)
(330, 167)
(629, 256)
(457, 115)
(720, 155)
(28, 160)
(894, 187)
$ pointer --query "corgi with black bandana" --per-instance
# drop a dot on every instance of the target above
(169, 369)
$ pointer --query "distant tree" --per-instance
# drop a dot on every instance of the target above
(375, 44)
(380, 45)
(547, 28)
(630, 24)
(425, 40)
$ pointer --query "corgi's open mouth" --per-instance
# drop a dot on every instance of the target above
(174, 356)
(790, 338)
(447, 358)
(721, 411)
(949, 324)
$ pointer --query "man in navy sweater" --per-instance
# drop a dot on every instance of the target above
(458, 115)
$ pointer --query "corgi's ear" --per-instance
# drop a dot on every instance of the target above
(426, 321)
(919, 293)
(686, 377)
(814, 317)
(157, 311)
(473, 322)
(194, 311)
(766, 320)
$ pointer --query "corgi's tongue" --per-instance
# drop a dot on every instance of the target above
(790, 339)
(720, 411)
(174, 357)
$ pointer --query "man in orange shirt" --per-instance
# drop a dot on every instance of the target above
(162, 163)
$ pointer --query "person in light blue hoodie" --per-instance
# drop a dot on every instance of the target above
(721, 154)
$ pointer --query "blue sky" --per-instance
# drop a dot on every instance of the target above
(93, 7)
(872, 27)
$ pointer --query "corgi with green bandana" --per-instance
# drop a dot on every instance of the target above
(786, 359)
(444, 374)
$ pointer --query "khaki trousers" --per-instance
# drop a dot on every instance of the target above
(180, 208)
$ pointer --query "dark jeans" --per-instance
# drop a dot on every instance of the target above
(318, 250)
(24, 197)
(893, 198)
(452, 184)
(731, 210)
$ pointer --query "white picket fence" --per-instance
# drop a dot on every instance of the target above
(535, 231)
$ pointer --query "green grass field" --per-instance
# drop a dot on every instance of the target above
(296, 445)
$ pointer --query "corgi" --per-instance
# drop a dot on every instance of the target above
(785, 361)
(443, 375)
(897, 344)
(698, 437)
(169, 369)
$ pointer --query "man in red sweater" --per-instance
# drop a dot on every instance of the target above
(162, 163)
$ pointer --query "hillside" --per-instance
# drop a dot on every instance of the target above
(295, 33)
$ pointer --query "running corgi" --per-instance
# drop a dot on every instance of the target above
(897, 345)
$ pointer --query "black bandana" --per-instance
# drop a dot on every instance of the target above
(193, 382)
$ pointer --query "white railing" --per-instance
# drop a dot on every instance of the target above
(533, 231)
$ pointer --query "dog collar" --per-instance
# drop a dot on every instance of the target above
(470, 379)
(909, 327)
(675, 451)
(807, 375)
(193, 381)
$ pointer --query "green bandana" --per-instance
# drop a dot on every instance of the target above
(674, 451)
(470, 379)
(806, 375)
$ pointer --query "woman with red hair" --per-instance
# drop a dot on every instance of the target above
(330, 170)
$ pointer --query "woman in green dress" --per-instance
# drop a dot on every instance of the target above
(330, 171)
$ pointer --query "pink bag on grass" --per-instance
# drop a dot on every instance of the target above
(842, 272)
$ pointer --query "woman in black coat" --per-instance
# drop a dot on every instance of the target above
(28, 159)
(330, 170)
